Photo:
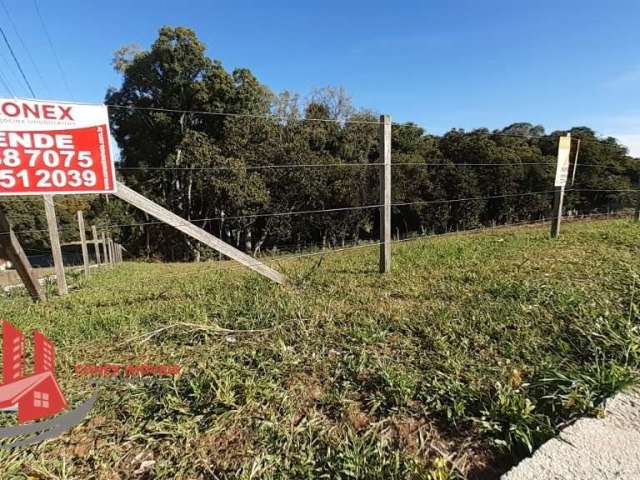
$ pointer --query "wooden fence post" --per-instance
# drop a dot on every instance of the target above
(83, 243)
(54, 240)
(384, 147)
(96, 244)
(562, 172)
(110, 250)
(105, 250)
(10, 246)
(636, 214)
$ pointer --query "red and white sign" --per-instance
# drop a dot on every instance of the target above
(49, 147)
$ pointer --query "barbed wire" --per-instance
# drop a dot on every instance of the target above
(322, 165)
(299, 212)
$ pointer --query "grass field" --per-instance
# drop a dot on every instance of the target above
(470, 353)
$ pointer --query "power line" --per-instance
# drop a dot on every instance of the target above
(238, 115)
(53, 49)
(16, 31)
(15, 59)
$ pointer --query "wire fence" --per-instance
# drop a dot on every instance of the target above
(398, 206)
(326, 210)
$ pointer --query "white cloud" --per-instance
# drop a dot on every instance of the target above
(631, 141)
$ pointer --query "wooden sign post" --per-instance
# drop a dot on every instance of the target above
(54, 240)
(562, 172)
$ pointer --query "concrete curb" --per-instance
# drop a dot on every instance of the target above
(591, 448)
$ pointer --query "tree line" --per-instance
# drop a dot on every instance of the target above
(217, 170)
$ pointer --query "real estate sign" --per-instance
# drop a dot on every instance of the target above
(49, 147)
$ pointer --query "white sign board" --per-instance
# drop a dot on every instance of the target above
(562, 168)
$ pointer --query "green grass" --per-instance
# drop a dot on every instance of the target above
(470, 353)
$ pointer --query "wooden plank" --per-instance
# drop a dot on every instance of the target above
(96, 243)
(83, 243)
(161, 213)
(54, 239)
(384, 147)
(11, 248)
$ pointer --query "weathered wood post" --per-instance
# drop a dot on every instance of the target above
(636, 214)
(384, 147)
(96, 244)
(562, 172)
(83, 244)
(110, 250)
(10, 246)
(105, 250)
(54, 240)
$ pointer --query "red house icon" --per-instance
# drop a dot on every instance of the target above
(38, 395)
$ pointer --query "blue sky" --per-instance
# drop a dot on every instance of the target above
(441, 64)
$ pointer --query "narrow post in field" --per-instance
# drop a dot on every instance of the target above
(105, 250)
(83, 244)
(96, 244)
(636, 214)
(384, 147)
(562, 172)
(54, 240)
(110, 250)
(11, 248)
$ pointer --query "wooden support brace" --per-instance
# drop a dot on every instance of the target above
(11, 248)
(143, 203)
